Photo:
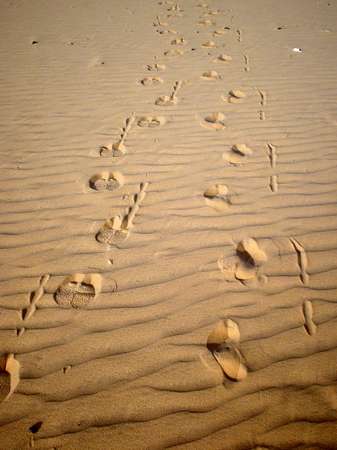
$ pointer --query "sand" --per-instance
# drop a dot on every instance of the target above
(168, 225)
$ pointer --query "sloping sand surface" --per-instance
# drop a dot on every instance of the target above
(168, 225)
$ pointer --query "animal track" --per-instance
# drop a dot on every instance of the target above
(150, 81)
(170, 100)
(211, 75)
(9, 375)
(309, 325)
(117, 229)
(215, 121)
(118, 148)
(217, 197)
(79, 290)
(106, 181)
(34, 297)
(302, 260)
(238, 154)
(151, 121)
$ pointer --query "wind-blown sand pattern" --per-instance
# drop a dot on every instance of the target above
(161, 285)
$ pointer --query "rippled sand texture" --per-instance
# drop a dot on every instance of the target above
(168, 225)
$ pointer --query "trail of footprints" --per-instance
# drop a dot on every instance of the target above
(80, 290)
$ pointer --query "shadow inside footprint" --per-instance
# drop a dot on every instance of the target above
(231, 361)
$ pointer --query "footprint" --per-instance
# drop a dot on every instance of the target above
(156, 67)
(168, 31)
(178, 41)
(225, 331)
(238, 154)
(223, 58)
(231, 362)
(151, 121)
(209, 44)
(216, 196)
(213, 12)
(117, 229)
(79, 290)
(227, 267)
(9, 375)
(116, 149)
(219, 32)
(174, 52)
(251, 258)
(211, 75)
(235, 96)
(205, 22)
(106, 181)
(215, 121)
(170, 100)
(166, 100)
(150, 81)
(114, 231)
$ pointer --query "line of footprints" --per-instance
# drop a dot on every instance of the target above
(80, 290)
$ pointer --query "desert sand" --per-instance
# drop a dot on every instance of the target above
(168, 225)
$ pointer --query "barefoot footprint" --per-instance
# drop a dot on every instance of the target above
(78, 290)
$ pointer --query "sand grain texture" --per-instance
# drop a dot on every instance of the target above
(108, 338)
